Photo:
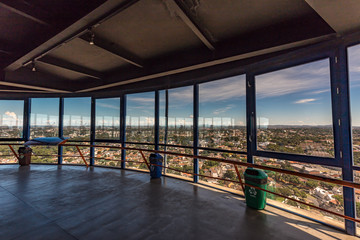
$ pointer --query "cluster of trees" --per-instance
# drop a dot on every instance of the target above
(13, 132)
(137, 135)
(290, 142)
(41, 150)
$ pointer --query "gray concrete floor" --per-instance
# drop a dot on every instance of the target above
(70, 202)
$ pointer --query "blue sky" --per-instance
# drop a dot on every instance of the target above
(77, 111)
(140, 109)
(44, 111)
(223, 102)
(294, 96)
(354, 74)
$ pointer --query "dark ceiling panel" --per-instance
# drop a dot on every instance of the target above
(64, 12)
(82, 53)
(15, 29)
(230, 19)
(148, 29)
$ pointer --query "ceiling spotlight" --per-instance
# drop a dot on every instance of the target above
(33, 66)
(92, 37)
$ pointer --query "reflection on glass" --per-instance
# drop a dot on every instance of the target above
(107, 122)
(44, 119)
(354, 75)
(140, 119)
(294, 110)
(11, 118)
(77, 118)
(222, 114)
(180, 120)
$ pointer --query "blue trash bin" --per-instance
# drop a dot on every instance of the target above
(155, 171)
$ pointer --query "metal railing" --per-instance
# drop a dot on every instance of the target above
(235, 163)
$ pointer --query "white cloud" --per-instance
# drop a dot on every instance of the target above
(12, 115)
(320, 91)
(223, 110)
(219, 90)
(106, 105)
(307, 100)
(143, 100)
(224, 89)
(307, 77)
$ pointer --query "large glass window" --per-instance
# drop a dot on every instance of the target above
(222, 114)
(6, 155)
(77, 112)
(354, 75)
(140, 120)
(326, 195)
(134, 158)
(72, 156)
(11, 118)
(180, 120)
(44, 119)
(179, 166)
(107, 118)
(294, 110)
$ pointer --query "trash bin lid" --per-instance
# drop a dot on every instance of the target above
(156, 156)
(255, 173)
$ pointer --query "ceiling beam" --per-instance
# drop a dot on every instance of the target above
(191, 23)
(19, 85)
(5, 52)
(96, 17)
(24, 11)
(22, 91)
(212, 63)
(341, 15)
(115, 50)
(70, 66)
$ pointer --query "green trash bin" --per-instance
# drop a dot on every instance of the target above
(255, 198)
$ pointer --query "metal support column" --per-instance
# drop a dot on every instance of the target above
(250, 117)
(92, 131)
(123, 129)
(61, 128)
(157, 119)
(27, 112)
(196, 131)
(339, 64)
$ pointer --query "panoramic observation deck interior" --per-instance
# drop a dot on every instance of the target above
(90, 90)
